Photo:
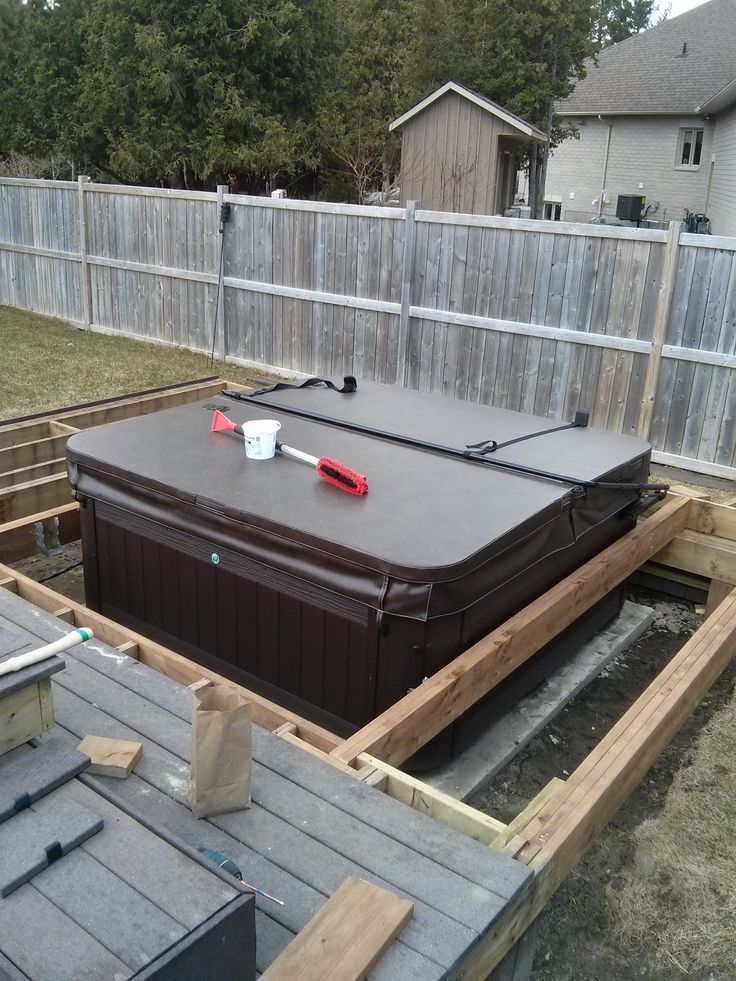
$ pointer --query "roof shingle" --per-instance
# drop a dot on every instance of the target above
(649, 73)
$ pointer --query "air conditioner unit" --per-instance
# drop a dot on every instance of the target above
(629, 207)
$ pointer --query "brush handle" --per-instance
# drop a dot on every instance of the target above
(297, 454)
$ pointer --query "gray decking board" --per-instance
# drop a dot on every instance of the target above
(9, 972)
(27, 838)
(412, 828)
(133, 927)
(435, 930)
(186, 892)
(30, 675)
(27, 774)
(430, 933)
(309, 827)
(56, 939)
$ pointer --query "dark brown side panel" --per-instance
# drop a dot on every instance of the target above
(234, 624)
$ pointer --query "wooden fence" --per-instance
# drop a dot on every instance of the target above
(543, 317)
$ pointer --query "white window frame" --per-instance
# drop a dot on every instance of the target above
(693, 130)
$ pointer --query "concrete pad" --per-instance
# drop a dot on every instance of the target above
(499, 744)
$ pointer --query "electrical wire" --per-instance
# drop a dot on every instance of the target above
(53, 575)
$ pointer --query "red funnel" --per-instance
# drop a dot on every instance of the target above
(221, 421)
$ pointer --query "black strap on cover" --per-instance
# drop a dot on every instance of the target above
(490, 445)
(350, 385)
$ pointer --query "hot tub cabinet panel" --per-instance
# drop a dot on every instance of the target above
(331, 603)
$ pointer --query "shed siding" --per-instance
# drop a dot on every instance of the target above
(449, 156)
(643, 150)
(722, 203)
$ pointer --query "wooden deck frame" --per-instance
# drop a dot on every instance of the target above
(33, 476)
(557, 827)
(410, 723)
(687, 534)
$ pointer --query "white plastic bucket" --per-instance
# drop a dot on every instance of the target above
(260, 438)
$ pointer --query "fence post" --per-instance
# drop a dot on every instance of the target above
(410, 240)
(220, 327)
(661, 319)
(85, 280)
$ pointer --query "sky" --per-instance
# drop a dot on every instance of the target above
(680, 6)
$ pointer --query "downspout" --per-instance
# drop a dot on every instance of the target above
(710, 182)
(605, 165)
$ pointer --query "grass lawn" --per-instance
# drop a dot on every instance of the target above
(47, 364)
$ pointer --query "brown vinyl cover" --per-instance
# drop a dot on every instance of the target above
(433, 536)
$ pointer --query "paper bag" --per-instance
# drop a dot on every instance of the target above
(221, 752)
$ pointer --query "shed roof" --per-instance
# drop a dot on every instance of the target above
(480, 100)
(684, 65)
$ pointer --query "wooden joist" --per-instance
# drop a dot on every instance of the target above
(32, 496)
(266, 713)
(58, 526)
(32, 454)
(346, 938)
(27, 474)
(565, 827)
(703, 554)
(110, 410)
(415, 719)
(435, 803)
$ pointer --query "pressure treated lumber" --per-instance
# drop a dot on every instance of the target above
(24, 499)
(346, 938)
(110, 757)
(436, 803)
(168, 662)
(58, 526)
(412, 721)
(563, 830)
(705, 555)
(710, 518)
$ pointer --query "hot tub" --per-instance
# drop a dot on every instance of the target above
(332, 604)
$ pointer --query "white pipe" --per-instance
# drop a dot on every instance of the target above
(77, 636)
(297, 454)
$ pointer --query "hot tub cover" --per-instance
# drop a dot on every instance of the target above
(434, 534)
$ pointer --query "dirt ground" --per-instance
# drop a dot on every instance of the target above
(580, 938)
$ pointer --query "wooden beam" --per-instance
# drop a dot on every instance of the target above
(716, 595)
(168, 662)
(59, 429)
(346, 938)
(59, 525)
(564, 829)
(320, 754)
(44, 494)
(25, 475)
(28, 454)
(415, 719)
(110, 411)
(517, 827)
(438, 805)
(710, 518)
(704, 555)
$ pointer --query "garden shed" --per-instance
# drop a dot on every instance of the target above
(460, 151)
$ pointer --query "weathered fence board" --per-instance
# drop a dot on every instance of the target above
(542, 317)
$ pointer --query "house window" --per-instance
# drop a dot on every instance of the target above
(690, 148)
(552, 210)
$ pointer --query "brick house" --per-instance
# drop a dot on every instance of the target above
(656, 117)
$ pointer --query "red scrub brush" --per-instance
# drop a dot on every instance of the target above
(329, 470)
